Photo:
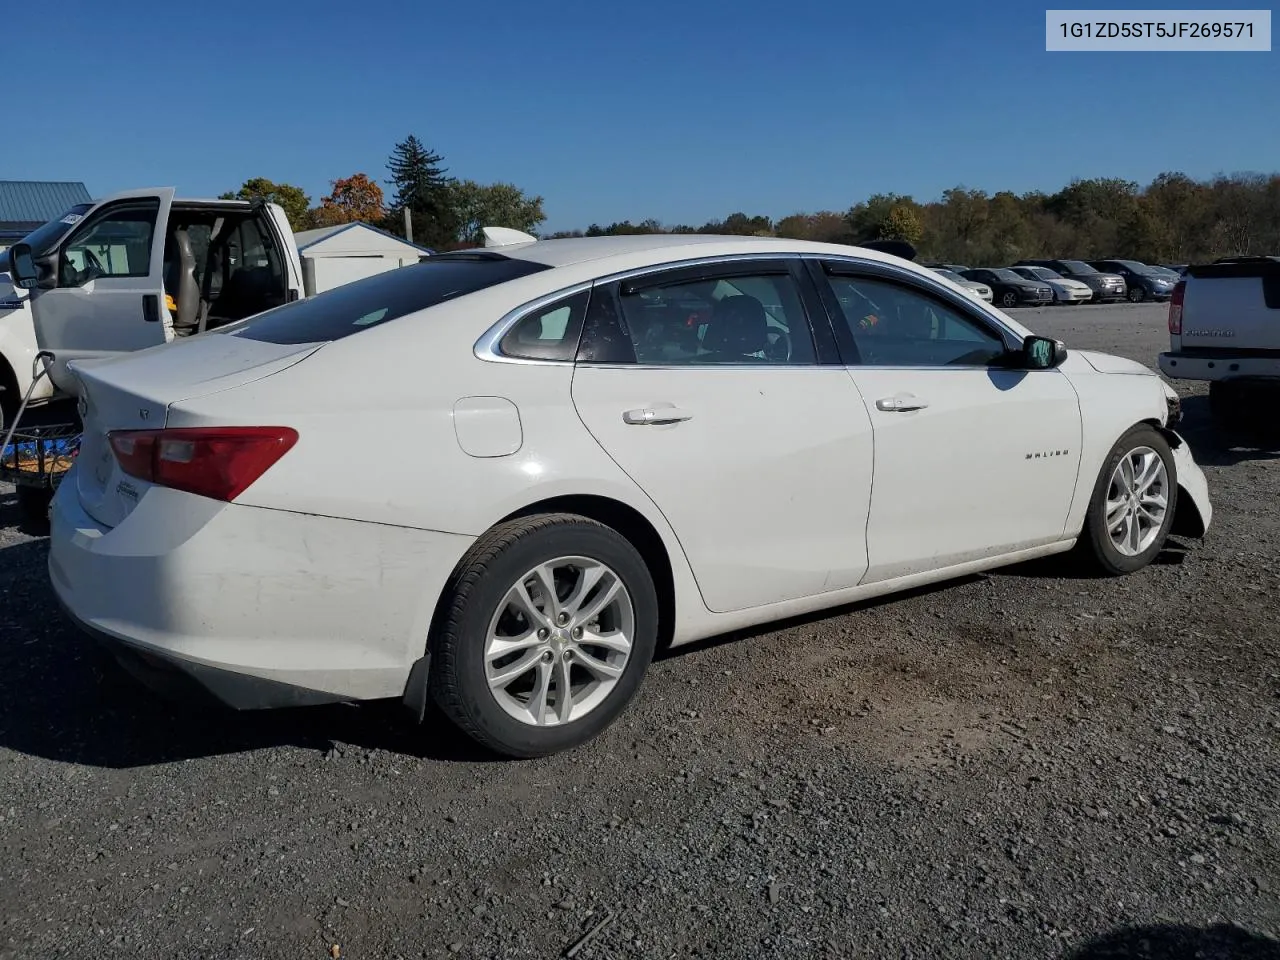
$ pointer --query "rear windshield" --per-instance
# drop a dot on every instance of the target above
(362, 304)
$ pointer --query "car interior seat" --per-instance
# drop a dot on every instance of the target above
(737, 332)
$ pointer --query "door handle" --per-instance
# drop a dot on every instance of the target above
(645, 415)
(901, 404)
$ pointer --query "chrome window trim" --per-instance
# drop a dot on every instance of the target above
(486, 348)
(1010, 337)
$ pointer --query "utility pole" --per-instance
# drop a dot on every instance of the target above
(408, 225)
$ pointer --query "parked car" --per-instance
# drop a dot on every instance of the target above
(1011, 290)
(953, 267)
(979, 290)
(1224, 328)
(1141, 281)
(1065, 290)
(1105, 286)
(148, 269)
(584, 448)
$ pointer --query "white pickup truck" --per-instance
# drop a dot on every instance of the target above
(1224, 327)
(140, 268)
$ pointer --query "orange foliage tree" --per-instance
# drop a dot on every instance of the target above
(353, 198)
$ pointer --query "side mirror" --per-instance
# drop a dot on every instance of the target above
(22, 266)
(1043, 353)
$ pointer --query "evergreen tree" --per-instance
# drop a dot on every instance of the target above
(423, 187)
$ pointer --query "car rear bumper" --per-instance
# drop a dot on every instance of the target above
(1183, 366)
(258, 608)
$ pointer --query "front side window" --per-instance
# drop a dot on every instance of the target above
(117, 244)
(748, 319)
(896, 325)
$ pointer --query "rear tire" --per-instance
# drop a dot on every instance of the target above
(1125, 527)
(513, 702)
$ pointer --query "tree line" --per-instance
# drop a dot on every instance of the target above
(445, 212)
(1172, 219)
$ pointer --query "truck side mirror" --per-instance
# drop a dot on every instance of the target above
(22, 266)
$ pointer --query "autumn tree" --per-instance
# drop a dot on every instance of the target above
(293, 200)
(901, 223)
(353, 198)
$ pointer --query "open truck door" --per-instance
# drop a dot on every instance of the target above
(97, 286)
(282, 232)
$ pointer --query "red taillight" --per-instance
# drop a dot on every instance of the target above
(216, 462)
(1175, 308)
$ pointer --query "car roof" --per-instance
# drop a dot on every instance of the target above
(642, 250)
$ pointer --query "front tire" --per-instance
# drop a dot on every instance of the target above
(1137, 294)
(1008, 299)
(550, 627)
(1133, 503)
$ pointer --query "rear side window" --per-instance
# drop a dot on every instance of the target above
(548, 333)
(362, 304)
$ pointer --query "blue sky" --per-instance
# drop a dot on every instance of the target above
(683, 111)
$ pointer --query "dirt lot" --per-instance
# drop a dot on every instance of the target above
(1018, 765)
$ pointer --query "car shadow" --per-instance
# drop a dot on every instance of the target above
(1178, 942)
(1214, 445)
(62, 697)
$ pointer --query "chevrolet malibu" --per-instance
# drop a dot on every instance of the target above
(501, 478)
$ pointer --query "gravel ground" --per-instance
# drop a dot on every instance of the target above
(1022, 764)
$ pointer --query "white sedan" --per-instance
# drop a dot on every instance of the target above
(979, 290)
(501, 478)
(1065, 290)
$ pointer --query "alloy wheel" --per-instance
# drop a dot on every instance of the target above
(559, 641)
(1137, 501)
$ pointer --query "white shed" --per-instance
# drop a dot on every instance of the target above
(332, 256)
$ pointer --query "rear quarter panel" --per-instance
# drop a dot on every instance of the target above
(377, 438)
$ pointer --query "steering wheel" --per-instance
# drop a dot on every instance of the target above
(779, 345)
(92, 266)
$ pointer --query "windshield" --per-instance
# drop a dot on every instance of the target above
(1078, 267)
(43, 239)
(952, 276)
(1008, 276)
(1139, 268)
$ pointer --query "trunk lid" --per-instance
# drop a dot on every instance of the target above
(134, 392)
(1232, 305)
